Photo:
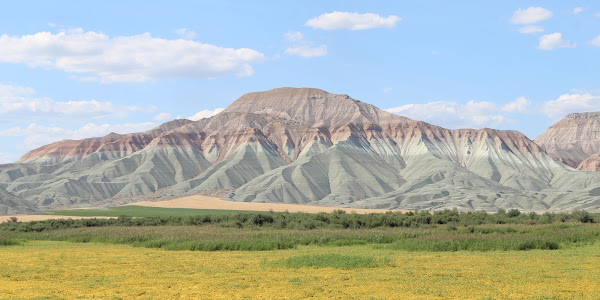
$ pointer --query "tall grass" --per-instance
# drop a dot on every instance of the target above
(8, 242)
(435, 238)
(443, 231)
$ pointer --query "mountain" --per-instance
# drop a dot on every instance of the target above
(591, 163)
(307, 146)
(574, 140)
(11, 204)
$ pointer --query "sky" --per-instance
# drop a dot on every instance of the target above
(78, 69)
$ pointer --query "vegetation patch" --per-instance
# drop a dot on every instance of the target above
(262, 231)
(475, 244)
(336, 261)
(8, 242)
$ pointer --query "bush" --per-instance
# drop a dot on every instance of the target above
(513, 213)
(8, 242)
(582, 216)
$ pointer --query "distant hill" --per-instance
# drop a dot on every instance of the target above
(306, 146)
(574, 140)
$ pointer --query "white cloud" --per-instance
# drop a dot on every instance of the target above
(531, 29)
(38, 135)
(570, 103)
(597, 15)
(205, 114)
(352, 21)
(136, 58)
(185, 33)
(93, 130)
(387, 89)
(453, 115)
(6, 158)
(554, 41)
(19, 103)
(293, 36)
(14, 91)
(577, 10)
(520, 105)
(162, 117)
(307, 51)
(530, 15)
(435, 52)
(596, 41)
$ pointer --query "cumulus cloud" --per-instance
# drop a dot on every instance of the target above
(185, 33)
(352, 21)
(520, 105)
(532, 29)
(38, 135)
(453, 115)
(293, 36)
(533, 14)
(205, 114)
(577, 10)
(307, 51)
(136, 58)
(162, 117)
(20, 103)
(554, 41)
(570, 103)
(596, 41)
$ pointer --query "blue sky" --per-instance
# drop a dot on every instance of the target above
(76, 69)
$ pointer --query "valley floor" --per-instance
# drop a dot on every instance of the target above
(57, 270)
(193, 202)
(205, 202)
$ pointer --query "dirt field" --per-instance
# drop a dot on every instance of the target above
(27, 218)
(205, 202)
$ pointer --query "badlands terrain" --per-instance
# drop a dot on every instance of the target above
(307, 146)
(574, 140)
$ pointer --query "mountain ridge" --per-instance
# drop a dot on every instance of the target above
(303, 145)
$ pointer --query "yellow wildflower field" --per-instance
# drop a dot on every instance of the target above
(55, 270)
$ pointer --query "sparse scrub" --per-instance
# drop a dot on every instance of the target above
(421, 231)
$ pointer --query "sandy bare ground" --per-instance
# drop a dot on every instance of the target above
(27, 218)
(205, 202)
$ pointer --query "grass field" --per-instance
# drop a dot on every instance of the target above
(140, 211)
(266, 255)
(61, 270)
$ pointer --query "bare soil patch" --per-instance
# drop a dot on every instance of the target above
(206, 202)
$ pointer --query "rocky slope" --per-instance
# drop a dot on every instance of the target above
(11, 204)
(591, 163)
(311, 147)
(574, 140)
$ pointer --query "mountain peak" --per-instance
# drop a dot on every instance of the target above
(310, 106)
(583, 115)
(572, 139)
